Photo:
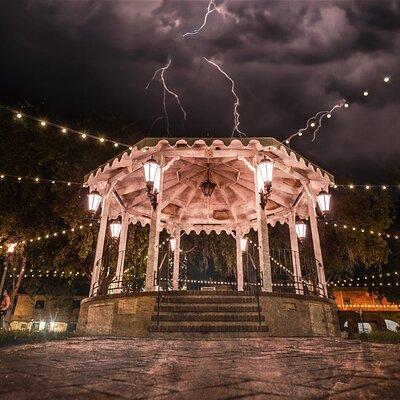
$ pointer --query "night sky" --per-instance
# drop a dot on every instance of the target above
(73, 59)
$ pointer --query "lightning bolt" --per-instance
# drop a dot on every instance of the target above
(211, 8)
(236, 116)
(166, 90)
(315, 122)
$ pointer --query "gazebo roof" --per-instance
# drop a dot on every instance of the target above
(231, 164)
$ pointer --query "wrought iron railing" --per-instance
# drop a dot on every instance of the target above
(283, 273)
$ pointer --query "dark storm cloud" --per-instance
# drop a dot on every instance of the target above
(288, 59)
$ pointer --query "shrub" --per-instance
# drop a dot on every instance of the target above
(20, 337)
(380, 337)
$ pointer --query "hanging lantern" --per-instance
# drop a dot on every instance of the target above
(151, 173)
(94, 200)
(301, 229)
(243, 244)
(265, 171)
(323, 200)
(207, 186)
(172, 243)
(115, 228)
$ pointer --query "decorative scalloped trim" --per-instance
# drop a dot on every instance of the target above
(234, 144)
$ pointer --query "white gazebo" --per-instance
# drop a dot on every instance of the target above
(188, 185)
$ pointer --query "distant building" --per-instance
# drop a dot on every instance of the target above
(354, 299)
(45, 313)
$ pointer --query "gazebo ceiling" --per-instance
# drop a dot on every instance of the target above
(230, 162)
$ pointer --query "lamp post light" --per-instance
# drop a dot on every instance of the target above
(301, 229)
(172, 243)
(94, 200)
(324, 199)
(11, 247)
(243, 244)
(115, 228)
(152, 178)
(265, 170)
(10, 250)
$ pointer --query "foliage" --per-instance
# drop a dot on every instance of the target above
(345, 249)
(211, 252)
(380, 337)
(11, 338)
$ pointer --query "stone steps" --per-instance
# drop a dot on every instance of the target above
(193, 318)
(216, 314)
(207, 300)
(209, 328)
(193, 308)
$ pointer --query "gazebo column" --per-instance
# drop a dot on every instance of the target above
(154, 237)
(100, 245)
(177, 253)
(239, 261)
(263, 245)
(316, 244)
(294, 245)
(152, 254)
(121, 252)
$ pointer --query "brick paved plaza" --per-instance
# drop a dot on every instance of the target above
(107, 368)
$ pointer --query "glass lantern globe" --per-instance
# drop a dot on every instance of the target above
(265, 170)
(94, 200)
(152, 173)
(172, 243)
(243, 244)
(324, 200)
(115, 228)
(301, 229)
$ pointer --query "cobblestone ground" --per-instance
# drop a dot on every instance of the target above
(93, 368)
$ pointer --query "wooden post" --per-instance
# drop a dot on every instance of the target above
(121, 252)
(263, 240)
(100, 245)
(294, 245)
(154, 238)
(239, 261)
(177, 253)
(263, 244)
(317, 245)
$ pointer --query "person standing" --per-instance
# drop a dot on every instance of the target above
(4, 306)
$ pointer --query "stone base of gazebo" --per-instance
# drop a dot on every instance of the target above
(208, 314)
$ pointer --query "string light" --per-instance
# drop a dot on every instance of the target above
(63, 129)
(20, 179)
(392, 306)
(366, 187)
(39, 238)
(375, 275)
(363, 230)
(316, 121)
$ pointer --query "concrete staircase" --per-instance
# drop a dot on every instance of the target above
(212, 314)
